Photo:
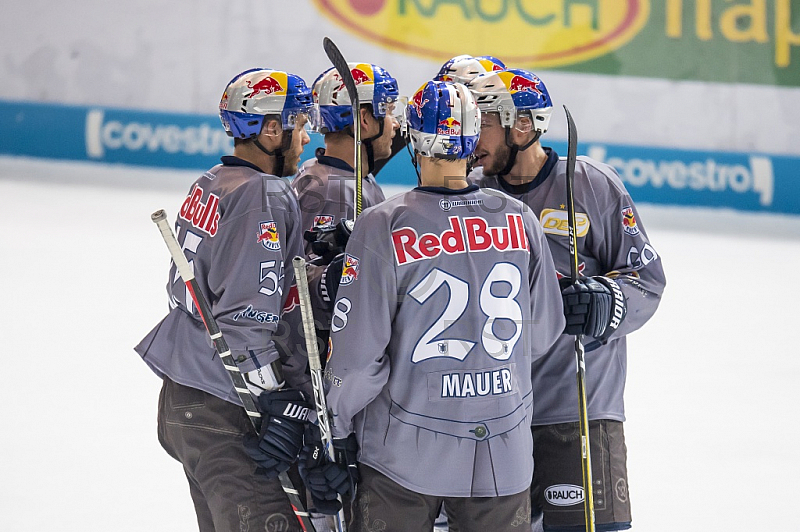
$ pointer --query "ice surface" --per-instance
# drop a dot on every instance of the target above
(712, 426)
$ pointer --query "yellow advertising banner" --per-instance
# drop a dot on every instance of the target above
(750, 41)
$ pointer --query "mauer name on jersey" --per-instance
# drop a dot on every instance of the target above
(471, 234)
(478, 384)
(202, 216)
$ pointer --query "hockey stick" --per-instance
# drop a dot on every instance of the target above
(340, 65)
(187, 274)
(315, 367)
(586, 459)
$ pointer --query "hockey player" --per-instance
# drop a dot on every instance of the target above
(447, 294)
(325, 185)
(620, 272)
(239, 227)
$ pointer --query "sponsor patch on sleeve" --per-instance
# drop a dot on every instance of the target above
(350, 269)
(323, 221)
(268, 235)
(629, 221)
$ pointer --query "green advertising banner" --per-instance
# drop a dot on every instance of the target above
(727, 41)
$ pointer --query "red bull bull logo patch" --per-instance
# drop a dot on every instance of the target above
(268, 235)
(268, 85)
(349, 270)
(449, 126)
(323, 221)
(629, 221)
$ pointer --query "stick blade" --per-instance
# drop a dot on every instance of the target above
(572, 144)
(340, 64)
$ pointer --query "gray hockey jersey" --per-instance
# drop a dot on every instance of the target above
(611, 241)
(445, 298)
(325, 189)
(239, 229)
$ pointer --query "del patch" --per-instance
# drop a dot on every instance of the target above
(268, 235)
(629, 221)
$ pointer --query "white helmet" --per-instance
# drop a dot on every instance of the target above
(374, 85)
(463, 68)
(258, 92)
(513, 93)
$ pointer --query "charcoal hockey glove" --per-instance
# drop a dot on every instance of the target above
(593, 306)
(284, 418)
(326, 480)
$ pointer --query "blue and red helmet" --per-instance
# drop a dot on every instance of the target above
(443, 120)
(334, 111)
(258, 92)
(463, 68)
(512, 93)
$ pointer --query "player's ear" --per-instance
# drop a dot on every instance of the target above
(272, 127)
(368, 122)
(271, 133)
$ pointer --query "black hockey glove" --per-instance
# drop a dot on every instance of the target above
(594, 306)
(331, 277)
(326, 481)
(329, 242)
(284, 418)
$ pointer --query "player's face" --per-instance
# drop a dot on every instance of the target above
(382, 146)
(491, 151)
(299, 139)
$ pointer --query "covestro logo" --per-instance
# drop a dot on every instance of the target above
(521, 32)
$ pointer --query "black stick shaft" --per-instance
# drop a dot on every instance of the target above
(583, 415)
(339, 63)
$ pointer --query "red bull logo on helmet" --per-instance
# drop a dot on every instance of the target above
(417, 102)
(449, 126)
(268, 85)
(362, 75)
(268, 235)
(349, 270)
(517, 83)
(490, 65)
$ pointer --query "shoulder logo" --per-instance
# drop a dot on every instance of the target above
(555, 222)
(349, 269)
(268, 235)
(323, 221)
(629, 221)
